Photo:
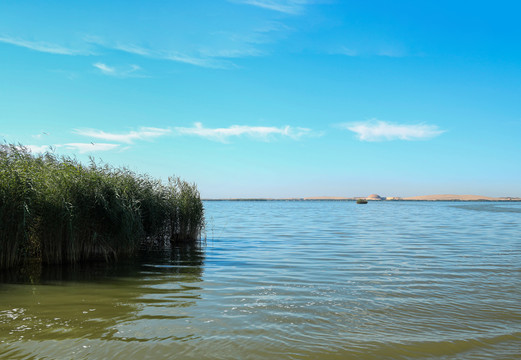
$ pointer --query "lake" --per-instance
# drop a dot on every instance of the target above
(288, 280)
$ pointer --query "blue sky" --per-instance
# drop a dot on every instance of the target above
(273, 98)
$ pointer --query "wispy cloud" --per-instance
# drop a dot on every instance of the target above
(215, 45)
(194, 60)
(284, 6)
(144, 133)
(131, 49)
(202, 55)
(200, 59)
(89, 147)
(368, 51)
(232, 53)
(213, 49)
(377, 130)
(128, 71)
(42, 46)
(104, 68)
(79, 147)
(259, 132)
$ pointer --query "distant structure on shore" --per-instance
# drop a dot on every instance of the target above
(374, 197)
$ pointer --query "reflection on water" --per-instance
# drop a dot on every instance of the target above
(188, 259)
(131, 301)
(328, 280)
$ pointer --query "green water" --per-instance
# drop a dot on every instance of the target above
(288, 280)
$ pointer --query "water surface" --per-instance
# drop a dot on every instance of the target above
(289, 280)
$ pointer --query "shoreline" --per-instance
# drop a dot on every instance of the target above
(480, 199)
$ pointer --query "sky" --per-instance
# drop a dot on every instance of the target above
(272, 98)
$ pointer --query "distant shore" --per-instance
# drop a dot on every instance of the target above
(441, 197)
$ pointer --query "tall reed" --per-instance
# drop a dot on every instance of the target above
(59, 210)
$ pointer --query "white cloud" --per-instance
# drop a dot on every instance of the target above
(377, 130)
(37, 148)
(80, 147)
(42, 46)
(260, 132)
(144, 133)
(89, 147)
(128, 71)
(284, 6)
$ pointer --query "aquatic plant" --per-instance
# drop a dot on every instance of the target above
(59, 210)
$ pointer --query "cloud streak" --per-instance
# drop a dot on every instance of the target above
(206, 59)
(104, 68)
(89, 147)
(117, 72)
(201, 60)
(215, 49)
(193, 60)
(389, 50)
(292, 7)
(260, 132)
(80, 147)
(42, 46)
(215, 59)
(144, 133)
(377, 130)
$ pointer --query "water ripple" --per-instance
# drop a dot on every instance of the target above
(291, 280)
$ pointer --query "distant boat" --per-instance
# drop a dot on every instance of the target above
(361, 201)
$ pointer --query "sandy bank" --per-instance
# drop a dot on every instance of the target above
(451, 197)
(327, 198)
(441, 197)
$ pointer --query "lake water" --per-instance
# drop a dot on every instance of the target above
(289, 280)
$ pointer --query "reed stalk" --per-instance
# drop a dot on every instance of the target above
(60, 211)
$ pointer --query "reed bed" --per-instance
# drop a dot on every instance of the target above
(58, 210)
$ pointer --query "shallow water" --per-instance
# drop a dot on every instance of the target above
(289, 280)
